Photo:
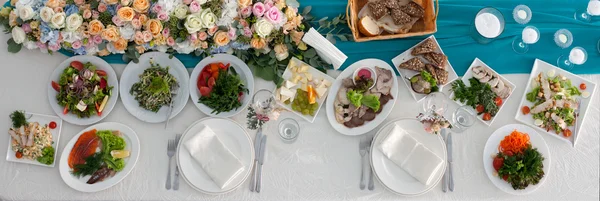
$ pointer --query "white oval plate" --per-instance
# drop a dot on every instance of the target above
(112, 81)
(240, 67)
(131, 75)
(133, 145)
(387, 108)
(233, 136)
(491, 149)
(394, 177)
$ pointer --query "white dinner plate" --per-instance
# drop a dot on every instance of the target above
(491, 149)
(132, 144)
(112, 81)
(240, 67)
(392, 176)
(42, 119)
(540, 66)
(385, 111)
(233, 136)
(131, 75)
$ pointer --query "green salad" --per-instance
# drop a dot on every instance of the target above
(155, 88)
(82, 89)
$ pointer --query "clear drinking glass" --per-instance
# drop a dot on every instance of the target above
(289, 130)
(563, 38)
(463, 118)
(530, 35)
(487, 25)
(435, 102)
(522, 14)
(577, 56)
(593, 9)
(263, 102)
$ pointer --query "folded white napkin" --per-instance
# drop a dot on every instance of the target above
(327, 51)
(218, 162)
(410, 155)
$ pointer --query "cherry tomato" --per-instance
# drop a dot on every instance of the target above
(509, 153)
(480, 108)
(77, 65)
(204, 91)
(505, 177)
(567, 133)
(582, 86)
(487, 116)
(66, 110)
(498, 162)
(55, 86)
(211, 82)
(525, 110)
(498, 101)
(240, 96)
(52, 125)
(19, 154)
(101, 72)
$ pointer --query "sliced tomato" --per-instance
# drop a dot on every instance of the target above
(77, 65)
(98, 110)
(66, 110)
(205, 91)
(55, 86)
(211, 82)
(103, 83)
(214, 67)
(480, 108)
(505, 177)
(509, 153)
(498, 162)
(240, 96)
(525, 110)
(52, 125)
(498, 101)
(101, 72)
(215, 74)
(487, 116)
(227, 66)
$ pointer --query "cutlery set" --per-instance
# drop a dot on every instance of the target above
(448, 180)
(260, 145)
(171, 149)
(364, 147)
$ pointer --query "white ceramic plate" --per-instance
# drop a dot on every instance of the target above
(542, 67)
(240, 67)
(394, 177)
(385, 111)
(42, 119)
(287, 75)
(491, 149)
(233, 136)
(132, 144)
(405, 73)
(131, 74)
(469, 74)
(112, 81)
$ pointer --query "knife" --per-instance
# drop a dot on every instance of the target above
(450, 177)
(257, 141)
(261, 160)
(445, 178)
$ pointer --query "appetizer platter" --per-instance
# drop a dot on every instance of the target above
(516, 159)
(82, 90)
(304, 89)
(154, 87)
(362, 97)
(33, 138)
(379, 16)
(424, 68)
(99, 157)
(555, 101)
(483, 89)
(221, 85)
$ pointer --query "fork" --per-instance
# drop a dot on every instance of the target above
(171, 107)
(176, 182)
(576, 120)
(362, 149)
(371, 185)
(170, 152)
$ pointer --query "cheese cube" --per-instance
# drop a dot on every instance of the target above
(296, 78)
(326, 82)
(309, 76)
(278, 94)
(304, 87)
(286, 92)
(321, 92)
(288, 84)
(304, 80)
(303, 68)
(284, 98)
(292, 63)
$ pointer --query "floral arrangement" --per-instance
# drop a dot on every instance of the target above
(433, 122)
(264, 33)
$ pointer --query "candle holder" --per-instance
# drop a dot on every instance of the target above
(563, 38)
(487, 25)
(593, 9)
(577, 56)
(522, 14)
(521, 44)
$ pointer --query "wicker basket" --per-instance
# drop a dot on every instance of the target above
(426, 25)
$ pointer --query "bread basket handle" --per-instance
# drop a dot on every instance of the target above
(437, 9)
(348, 18)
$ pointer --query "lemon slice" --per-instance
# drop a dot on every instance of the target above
(538, 122)
(119, 153)
(585, 94)
(551, 73)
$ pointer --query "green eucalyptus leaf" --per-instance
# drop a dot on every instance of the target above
(330, 38)
(13, 47)
(323, 19)
(310, 53)
(336, 20)
(342, 37)
(306, 10)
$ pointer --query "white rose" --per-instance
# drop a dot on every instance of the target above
(202, 2)
(208, 18)
(91, 50)
(18, 35)
(184, 47)
(25, 12)
(263, 27)
(71, 36)
(30, 45)
(180, 11)
(162, 48)
(46, 14)
(74, 21)
(193, 23)
(127, 32)
(58, 20)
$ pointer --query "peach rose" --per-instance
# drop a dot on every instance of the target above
(140, 49)
(160, 40)
(204, 45)
(290, 13)
(136, 23)
(154, 26)
(103, 52)
(221, 38)
(53, 3)
(258, 43)
(296, 36)
(111, 33)
(141, 5)
(95, 27)
(139, 38)
(126, 14)
(143, 18)
(120, 44)
(244, 3)
(111, 2)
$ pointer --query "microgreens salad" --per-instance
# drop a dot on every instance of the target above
(82, 90)
(517, 162)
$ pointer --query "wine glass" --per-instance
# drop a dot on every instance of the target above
(435, 103)
(577, 56)
(261, 107)
(530, 35)
(593, 9)
(463, 118)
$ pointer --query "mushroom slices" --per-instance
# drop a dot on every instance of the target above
(498, 86)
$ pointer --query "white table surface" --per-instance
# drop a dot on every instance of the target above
(321, 165)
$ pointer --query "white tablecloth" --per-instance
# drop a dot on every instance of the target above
(321, 165)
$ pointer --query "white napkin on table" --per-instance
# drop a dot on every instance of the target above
(327, 51)
(218, 162)
(410, 155)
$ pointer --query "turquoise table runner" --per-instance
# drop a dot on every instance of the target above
(454, 25)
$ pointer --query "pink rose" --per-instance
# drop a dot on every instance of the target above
(170, 41)
(232, 33)
(163, 16)
(41, 45)
(95, 14)
(101, 7)
(157, 8)
(246, 12)
(87, 14)
(139, 36)
(79, 2)
(54, 47)
(187, 2)
(165, 32)
(247, 32)
(202, 35)
(244, 23)
(195, 7)
(76, 44)
(193, 37)
(258, 9)
(268, 5)
(136, 23)
(58, 10)
(26, 28)
(147, 36)
(97, 39)
(117, 20)
(212, 30)
(274, 15)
